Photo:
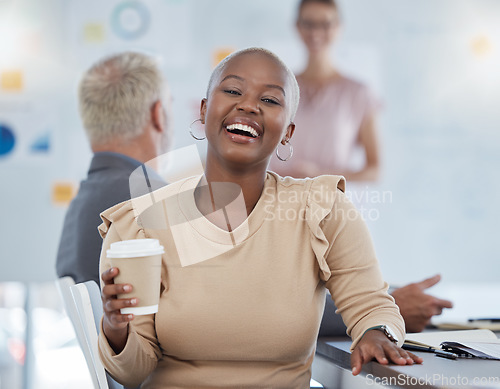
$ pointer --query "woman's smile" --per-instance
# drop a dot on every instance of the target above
(242, 130)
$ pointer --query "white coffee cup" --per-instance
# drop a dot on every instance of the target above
(139, 264)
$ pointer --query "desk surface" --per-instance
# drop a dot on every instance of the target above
(435, 372)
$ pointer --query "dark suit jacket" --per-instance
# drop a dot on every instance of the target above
(331, 323)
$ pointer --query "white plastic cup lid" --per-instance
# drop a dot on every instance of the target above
(135, 248)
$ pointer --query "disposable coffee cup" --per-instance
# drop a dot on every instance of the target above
(139, 264)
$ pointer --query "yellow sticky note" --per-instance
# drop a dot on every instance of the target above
(12, 80)
(221, 53)
(63, 193)
(481, 46)
(93, 33)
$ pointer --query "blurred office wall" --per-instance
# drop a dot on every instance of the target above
(433, 64)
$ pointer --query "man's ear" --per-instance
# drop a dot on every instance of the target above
(203, 110)
(289, 133)
(158, 117)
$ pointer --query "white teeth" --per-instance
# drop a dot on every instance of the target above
(243, 127)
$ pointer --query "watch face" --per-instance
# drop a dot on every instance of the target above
(389, 333)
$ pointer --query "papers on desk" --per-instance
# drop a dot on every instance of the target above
(481, 343)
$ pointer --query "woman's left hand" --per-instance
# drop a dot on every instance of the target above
(376, 345)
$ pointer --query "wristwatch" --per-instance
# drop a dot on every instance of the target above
(386, 330)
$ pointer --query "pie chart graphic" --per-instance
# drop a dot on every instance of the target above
(7, 140)
(130, 20)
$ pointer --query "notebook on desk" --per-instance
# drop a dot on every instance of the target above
(480, 343)
(468, 325)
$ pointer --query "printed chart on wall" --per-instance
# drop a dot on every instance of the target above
(26, 130)
(99, 28)
(28, 98)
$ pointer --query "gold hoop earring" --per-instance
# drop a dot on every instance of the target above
(290, 152)
(191, 130)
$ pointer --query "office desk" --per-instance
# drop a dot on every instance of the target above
(435, 372)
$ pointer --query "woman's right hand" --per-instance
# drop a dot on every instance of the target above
(115, 324)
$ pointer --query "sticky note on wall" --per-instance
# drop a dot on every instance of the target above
(63, 193)
(11, 80)
(221, 53)
(481, 46)
(93, 33)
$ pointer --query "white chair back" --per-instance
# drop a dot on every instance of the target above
(84, 307)
(90, 324)
(64, 285)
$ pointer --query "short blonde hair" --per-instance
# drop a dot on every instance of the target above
(292, 81)
(116, 96)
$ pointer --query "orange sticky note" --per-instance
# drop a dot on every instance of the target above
(220, 54)
(63, 193)
(11, 80)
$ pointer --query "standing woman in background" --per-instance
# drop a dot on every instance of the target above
(336, 114)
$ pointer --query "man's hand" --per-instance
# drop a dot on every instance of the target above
(417, 308)
(375, 345)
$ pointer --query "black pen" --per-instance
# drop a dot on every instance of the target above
(487, 319)
(438, 353)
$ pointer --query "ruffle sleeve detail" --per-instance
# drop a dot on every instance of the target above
(141, 353)
(123, 217)
(319, 205)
